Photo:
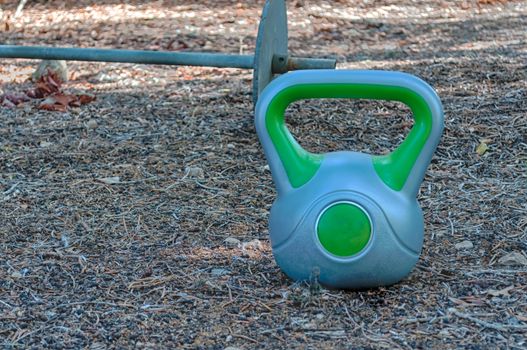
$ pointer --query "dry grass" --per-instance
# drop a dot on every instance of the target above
(89, 261)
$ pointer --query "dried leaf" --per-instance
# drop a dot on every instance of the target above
(63, 99)
(84, 99)
(513, 259)
(194, 172)
(52, 80)
(8, 104)
(49, 105)
(60, 102)
(16, 99)
(465, 245)
(500, 293)
(47, 85)
(75, 103)
(57, 103)
(231, 241)
(255, 244)
(482, 148)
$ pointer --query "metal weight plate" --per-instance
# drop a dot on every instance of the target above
(271, 41)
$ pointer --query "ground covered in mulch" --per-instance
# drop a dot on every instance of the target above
(140, 219)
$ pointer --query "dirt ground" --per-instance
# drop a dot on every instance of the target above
(140, 219)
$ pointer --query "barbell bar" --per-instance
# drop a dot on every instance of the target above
(271, 55)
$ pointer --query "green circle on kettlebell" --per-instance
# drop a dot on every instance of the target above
(344, 229)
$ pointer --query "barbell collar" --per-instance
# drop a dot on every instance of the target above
(283, 63)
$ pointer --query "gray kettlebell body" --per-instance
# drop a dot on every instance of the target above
(349, 219)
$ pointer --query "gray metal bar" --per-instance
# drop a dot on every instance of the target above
(280, 64)
(128, 56)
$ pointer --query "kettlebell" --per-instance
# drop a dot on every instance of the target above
(349, 219)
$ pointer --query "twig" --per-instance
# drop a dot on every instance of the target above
(95, 303)
(6, 304)
(495, 272)
(17, 340)
(11, 189)
(20, 8)
(245, 337)
(495, 326)
(207, 187)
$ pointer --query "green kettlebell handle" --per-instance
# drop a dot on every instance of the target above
(393, 168)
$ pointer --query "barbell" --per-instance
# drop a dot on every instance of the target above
(271, 55)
